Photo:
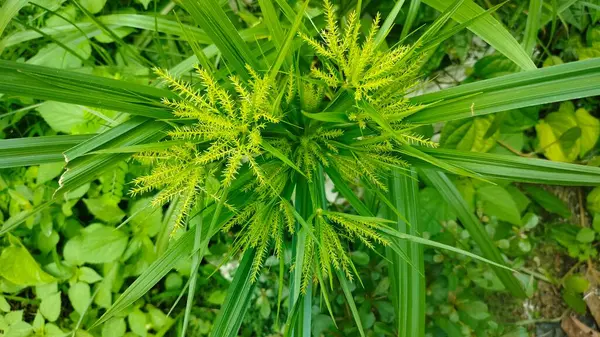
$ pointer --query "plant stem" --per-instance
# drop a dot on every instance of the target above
(536, 275)
(194, 273)
(22, 299)
(199, 249)
(304, 207)
(543, 320)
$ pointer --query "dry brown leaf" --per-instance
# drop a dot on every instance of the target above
(592, 298)
(593, 302)
(574, 328)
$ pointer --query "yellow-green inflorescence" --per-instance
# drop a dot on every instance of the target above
(224, 128)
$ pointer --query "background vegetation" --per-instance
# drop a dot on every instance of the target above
(64, 267)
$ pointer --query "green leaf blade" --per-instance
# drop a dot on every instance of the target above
(490, 30)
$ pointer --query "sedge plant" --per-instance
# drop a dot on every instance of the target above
(260, 123)
(245, 145)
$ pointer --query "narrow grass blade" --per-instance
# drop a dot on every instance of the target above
(284, 52)
(182, 248)
(533, 25)
(103, 138)
(155, 272)
(271, 17)
(292, 319)
(199, 251)
(328, 116)
(428, 38)
(546, 85)
(303, 206)
(414, 152)
(290, 14)
(277, 154)
(106, 30)
(138, 21)
(516, 168)
(350, 300)
(201, 241)
(389, 21)
(68, 49)
(413, 10)
(453, 30)
(210, 16)
(391, 233)
(86, 168)
(72, 87)
(236, 303)
(37, 150)
(19, 218)
(476, 230)
(550, 12)
(490, 30)
(406, 277)
(198, 51)
(168, 224)
(8, 10)
(347, 192)
(140, 148)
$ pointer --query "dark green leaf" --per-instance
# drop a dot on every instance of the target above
(548, 201)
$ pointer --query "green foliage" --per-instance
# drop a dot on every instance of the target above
(233, 158)
(20, 268)
(361, 67)
(568, 134)
(230, 130)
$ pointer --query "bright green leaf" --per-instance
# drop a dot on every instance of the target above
(80, 295)
(105, 209)
(548, 201)
(433, 210)
(47, 172)
(596, 222)
(4, 306)
(360, 258)
(575, 301)
(217, 297)
(13, 317)
(489, 29)
(96, 244)
(530, 221)
(93, 6)
(593, 200)
(552, 60)
(114, 327)
(157, 317)
(173, 281)
(497, 201)
(590, 130)
(41, 291)
(476, 309)
(577, 284)
(88, 275)
(586, 235)
(19, 267)
(50, 306)
(19, 329)
(146, 218)
(137, 322)
(549, 132)
(469, 134)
